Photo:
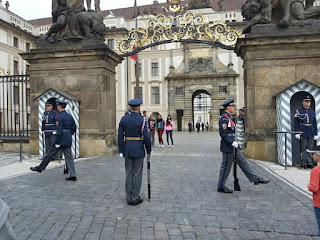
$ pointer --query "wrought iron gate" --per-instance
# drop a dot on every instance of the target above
(14, 106)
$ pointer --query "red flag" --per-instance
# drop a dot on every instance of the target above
(134, 56)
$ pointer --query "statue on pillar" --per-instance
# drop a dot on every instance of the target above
(71, 20)
(294, 12)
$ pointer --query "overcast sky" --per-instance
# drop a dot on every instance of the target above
(33, 9)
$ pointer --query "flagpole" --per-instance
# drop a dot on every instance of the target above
(137, 92)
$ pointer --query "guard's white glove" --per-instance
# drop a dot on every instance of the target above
(54, 132)
(235, 144)
(121, 154)
(57, 145)
(315, 137)
(297, 136)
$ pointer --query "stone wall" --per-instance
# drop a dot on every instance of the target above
(274, 59)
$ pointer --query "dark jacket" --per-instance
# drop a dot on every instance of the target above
(66, 127)
(305, 121)
(227, 132)
(48, 122)
(133, 125)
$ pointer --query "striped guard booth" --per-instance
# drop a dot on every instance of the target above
(72, 108)
(284, 116)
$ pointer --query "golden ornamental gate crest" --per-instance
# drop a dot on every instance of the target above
(187, 27)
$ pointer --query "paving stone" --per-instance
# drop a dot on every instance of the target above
(185, 203)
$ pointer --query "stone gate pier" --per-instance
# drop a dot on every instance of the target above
(275, 59)
(86, 70)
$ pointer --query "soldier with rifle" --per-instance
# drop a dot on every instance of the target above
(133, 142)
(228, 146)
(306, 122)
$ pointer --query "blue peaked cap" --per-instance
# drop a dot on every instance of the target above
(307, 97)
(60, 101)
(135, 102)
(228, 102)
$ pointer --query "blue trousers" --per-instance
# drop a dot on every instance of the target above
(227, 159)
(317, 212)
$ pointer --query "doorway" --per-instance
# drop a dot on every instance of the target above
(201, 106)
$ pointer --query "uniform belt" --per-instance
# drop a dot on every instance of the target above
(133, 138)
(306, 124)
(49, 124)
(66, 130)
(231, 135)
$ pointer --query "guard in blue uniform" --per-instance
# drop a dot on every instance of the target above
(306, 122)
(227, 145)
(48, 125)
(66, 127)
(133, 141)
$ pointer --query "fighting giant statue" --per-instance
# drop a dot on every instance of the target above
(292, 12)
(71, 20)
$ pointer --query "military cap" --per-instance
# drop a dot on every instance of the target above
(48, 103)
(316, 150)
(60, 101)
(135, 102)
(227, 103)
(306, 98)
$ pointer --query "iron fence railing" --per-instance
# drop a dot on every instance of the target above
(14, 106)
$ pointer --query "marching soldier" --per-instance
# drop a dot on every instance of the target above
(305, 121)
(48, 125)
(133, 140)
(66, 127)
(227, 145)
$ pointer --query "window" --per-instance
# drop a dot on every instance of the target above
(15, 68)
(139, 69)
(16, 118)
(15, 42)
(223, 89)
(111, 43)
(154, 68)
(154, 47)
(179, 90)
(155, 95)
(16, 95)
(27, 47)
(140, 88)
(28, 96)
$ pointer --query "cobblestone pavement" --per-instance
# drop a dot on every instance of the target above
(185, 202)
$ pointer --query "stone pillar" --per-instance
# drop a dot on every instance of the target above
(89, 74)
(274, 59)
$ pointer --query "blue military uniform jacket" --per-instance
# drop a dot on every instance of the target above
(66, 127)
(227, 132)
(133, 125)
(48, 122)
(305, 121)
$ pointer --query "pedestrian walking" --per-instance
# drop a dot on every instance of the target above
(133, 141)
(227, 145)
(168, 127)
(66, 127)
(160, 129)
(207, 126)
(190, 126)
(305, 121)
(314, 184)
(152, 128)
(198, 126)
(202, 126)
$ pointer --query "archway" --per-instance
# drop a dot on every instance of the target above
(201, 106)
